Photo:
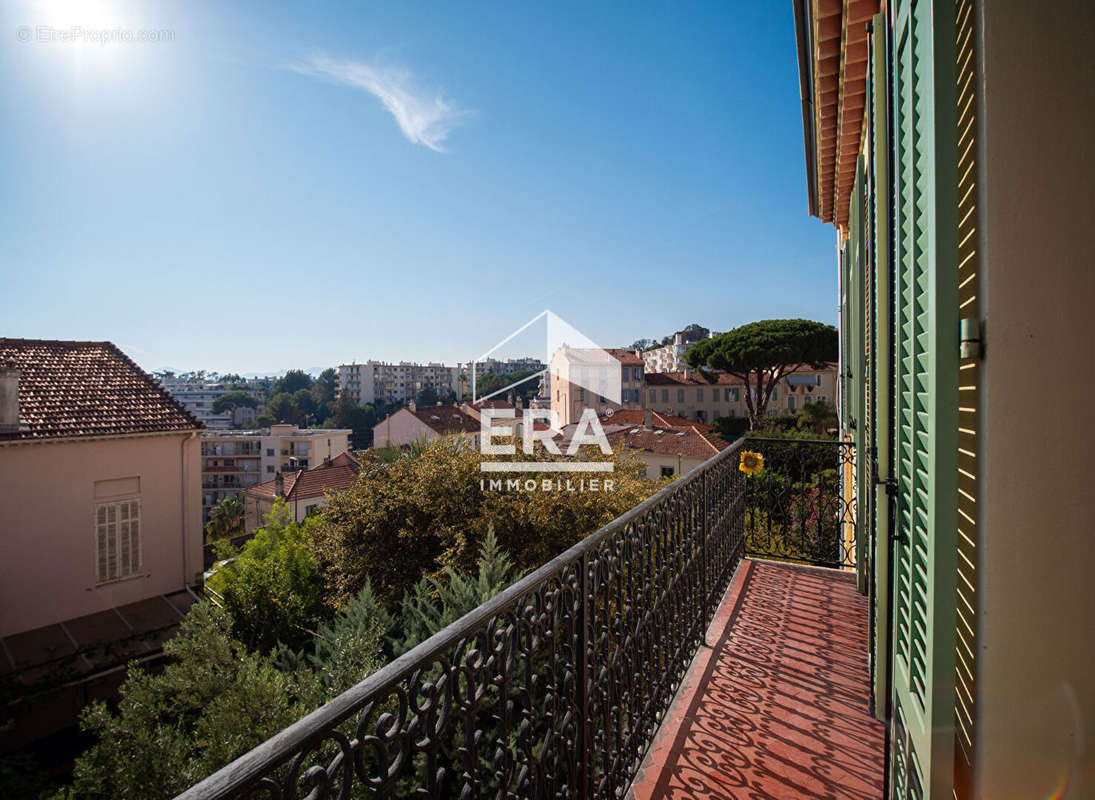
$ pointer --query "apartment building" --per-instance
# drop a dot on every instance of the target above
(380, 382)
(198, 399)
(511, 365)
(688, 394)
(603, 380)
(670, 357)
(232, 461)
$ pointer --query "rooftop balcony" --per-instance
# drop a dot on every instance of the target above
(656, 658)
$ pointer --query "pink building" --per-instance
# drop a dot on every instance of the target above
(100, 503)
(415, 424)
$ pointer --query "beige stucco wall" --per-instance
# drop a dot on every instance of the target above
(47, 507)
(1036, 732)
(712, 400)
(681, 465)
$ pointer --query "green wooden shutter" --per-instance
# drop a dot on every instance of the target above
(880, 366)
(926, 379)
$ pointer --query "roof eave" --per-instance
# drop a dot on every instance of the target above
(806, 91)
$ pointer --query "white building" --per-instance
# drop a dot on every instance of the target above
(198, 399)
(379, 381)
(670, 358)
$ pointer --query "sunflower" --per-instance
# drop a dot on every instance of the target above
(751, 463)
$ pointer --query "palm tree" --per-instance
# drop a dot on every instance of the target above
(226, 518)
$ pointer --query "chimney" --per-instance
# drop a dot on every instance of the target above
(411, 406)
(279, 484)
(648, 418)
(9, 397)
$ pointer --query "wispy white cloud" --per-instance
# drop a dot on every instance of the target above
(424, 118)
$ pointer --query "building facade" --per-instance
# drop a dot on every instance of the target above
(380, 382)
(602, 380)
(198, 399)
(414, 424)
(670, 357)
(101, 484)
(688, 394)
(949, 143)
(304, 491)
(232, 461)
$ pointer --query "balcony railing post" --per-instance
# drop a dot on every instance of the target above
(585, 608)
(704, 531)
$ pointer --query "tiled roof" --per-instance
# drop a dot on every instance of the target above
(626, 357)
(591, 355)
(446, 419)
(691, 378)
(338, 473)
(69, 389)
(636, 416)
(669, 441)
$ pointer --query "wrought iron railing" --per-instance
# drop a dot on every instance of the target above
(554, 688)
(799, 507)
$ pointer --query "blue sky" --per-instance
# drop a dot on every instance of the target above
(279, 186)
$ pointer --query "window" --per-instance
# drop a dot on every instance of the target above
(581, 395)
(269, 451)
(680, 395)
(117, 540)
(699, 395)
(653, 395)
(665, 395)
(667, 472)
(270, 468)
(637, 373)
(790, 403)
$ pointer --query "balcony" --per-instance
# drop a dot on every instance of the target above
(656, 658)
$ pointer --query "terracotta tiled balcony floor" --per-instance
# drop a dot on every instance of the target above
(777, 706)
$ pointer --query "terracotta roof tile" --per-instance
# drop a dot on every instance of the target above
(446, 419)
(338, 473)
(670, 441)
(69, 389)
(637, 416)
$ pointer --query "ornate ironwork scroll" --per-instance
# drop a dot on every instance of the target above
(799, 507)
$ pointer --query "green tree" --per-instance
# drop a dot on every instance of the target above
(226, 518)
(416, 516)
(293, 381)
(280, 408)
(436, 602)
(323, 390)
(359, 419)
(818, 417)
(303, 404)
(763, 353)
(272, 589)
(234, 400)
(213, 702)
(427, 396)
